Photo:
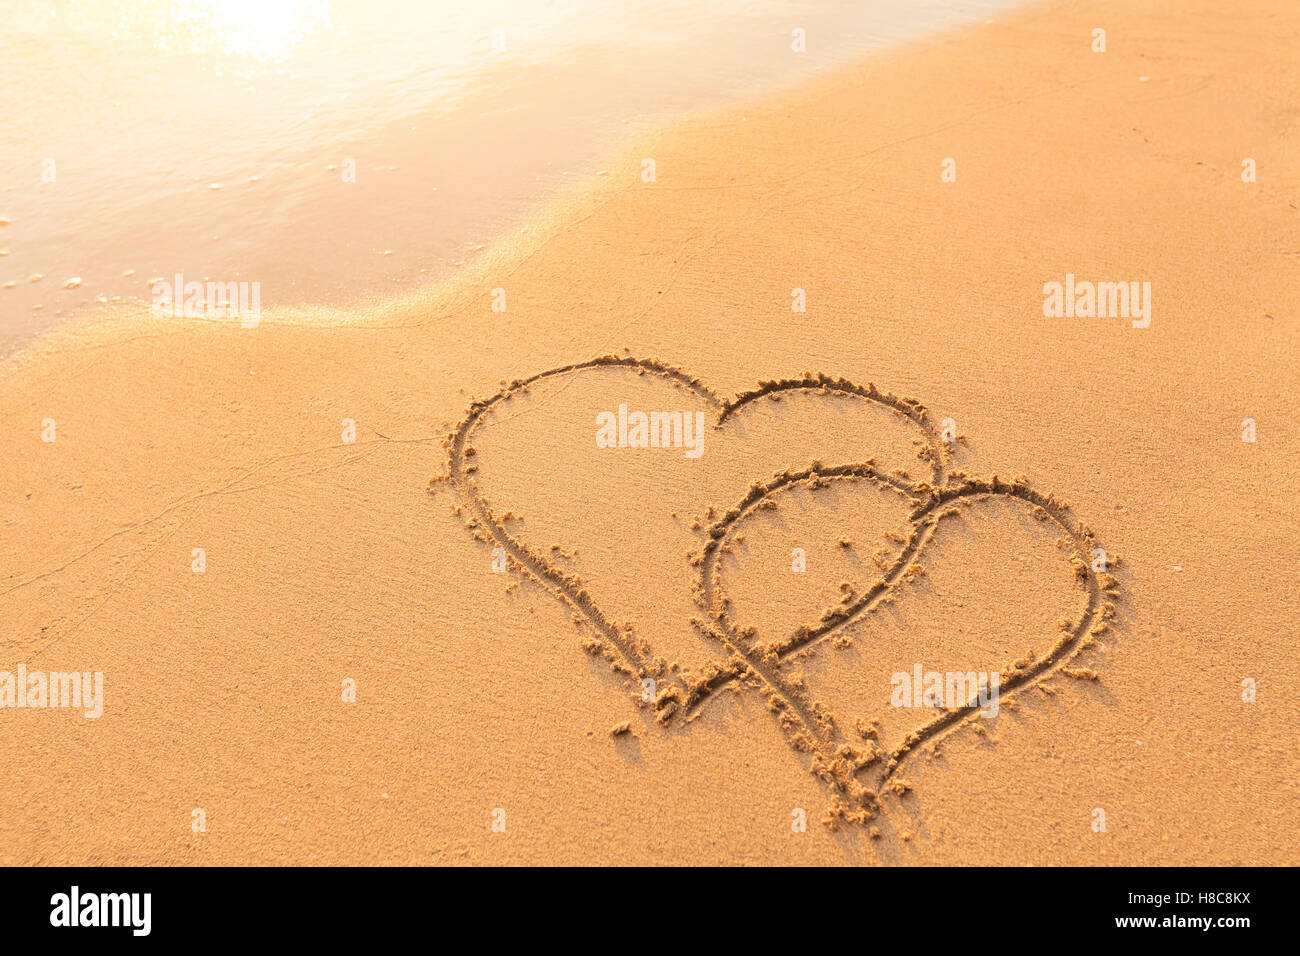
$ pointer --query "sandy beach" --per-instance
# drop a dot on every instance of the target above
(608, 547)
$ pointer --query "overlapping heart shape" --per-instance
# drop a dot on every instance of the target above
(855, 769)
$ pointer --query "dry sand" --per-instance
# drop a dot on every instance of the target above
(517, 696)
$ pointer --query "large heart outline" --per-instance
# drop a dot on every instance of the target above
(839, 763)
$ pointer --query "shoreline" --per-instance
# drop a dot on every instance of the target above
(360, 198)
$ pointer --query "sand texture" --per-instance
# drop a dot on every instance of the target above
(565, 653)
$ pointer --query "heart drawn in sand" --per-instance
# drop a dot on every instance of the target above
(856, 768)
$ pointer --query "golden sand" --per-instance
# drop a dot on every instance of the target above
(647, 679)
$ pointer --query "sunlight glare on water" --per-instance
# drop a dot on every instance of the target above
(213, 137)
(265, 30)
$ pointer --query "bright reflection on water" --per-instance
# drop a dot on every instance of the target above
(210, 137)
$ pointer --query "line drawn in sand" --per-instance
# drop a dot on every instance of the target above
(857, 771)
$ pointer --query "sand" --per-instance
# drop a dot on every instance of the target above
(207, 532)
